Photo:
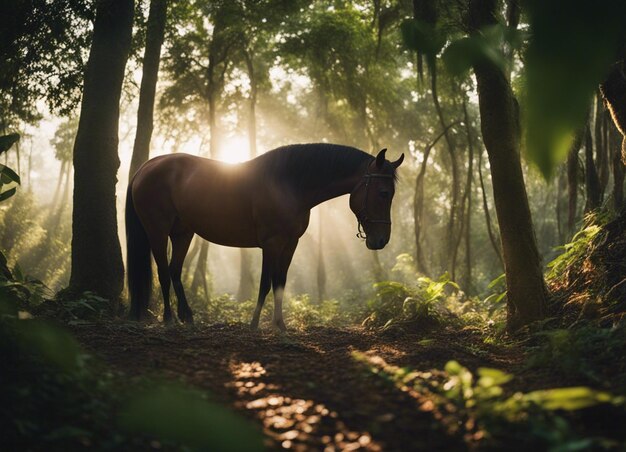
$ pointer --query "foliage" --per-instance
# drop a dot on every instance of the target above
(584, 352)
(573, 251)
(568, 37)
(63, 140)
(36, 238)
(486, 413)
(300, 311)
(397, 304)
(42, 53)
(587, 278)
(197, 423)
(7, 175)
(46, 371)
(487, 46)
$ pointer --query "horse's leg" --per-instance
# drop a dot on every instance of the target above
(279, 279)
(180, 246)
(159, 251)
(264, 288)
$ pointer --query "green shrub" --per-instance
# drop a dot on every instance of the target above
(397, 304)
(478, 407)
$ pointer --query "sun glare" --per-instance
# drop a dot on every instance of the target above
(235, 149)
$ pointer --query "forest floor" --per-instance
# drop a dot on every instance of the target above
(306, 389)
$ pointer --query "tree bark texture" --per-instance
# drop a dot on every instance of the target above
(468, 197)
(499, 112)
(614, 92)
(592, 181)
(573, 169)
(96, 254)
(601, 139)
(615, 141)
(151, 59)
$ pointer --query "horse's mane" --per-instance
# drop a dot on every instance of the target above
(305, 166)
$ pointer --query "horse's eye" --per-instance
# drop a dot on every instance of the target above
(384, 194)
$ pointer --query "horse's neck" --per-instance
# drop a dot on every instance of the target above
(337, 188)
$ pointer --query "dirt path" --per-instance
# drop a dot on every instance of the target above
(304, 388)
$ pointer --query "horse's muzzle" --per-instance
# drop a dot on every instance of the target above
(376, 244)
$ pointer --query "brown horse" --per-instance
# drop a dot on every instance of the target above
(264, 202)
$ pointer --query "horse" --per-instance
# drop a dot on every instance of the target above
(264, 203)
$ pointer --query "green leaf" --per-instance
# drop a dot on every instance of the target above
(573, 45)
(6, 141)
(52, 343)
(568, 399)
(7, 175)
(7, 194)
(422, 37)
(499, 280)
(462, 54)
(172, 413)
(492, 377)
(453, 367)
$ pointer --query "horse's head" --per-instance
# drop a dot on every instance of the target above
(371, 201)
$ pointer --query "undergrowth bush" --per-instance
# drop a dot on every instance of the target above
(593, 354)
(396, 304)
(299, 311)
(57, 397)
(478, 407)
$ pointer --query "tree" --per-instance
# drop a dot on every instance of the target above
(41, 55)
(96, 254)
(499, 113)
(151, 59)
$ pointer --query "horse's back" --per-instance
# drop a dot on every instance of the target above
(208, 197)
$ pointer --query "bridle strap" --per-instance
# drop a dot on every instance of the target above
(361, 219)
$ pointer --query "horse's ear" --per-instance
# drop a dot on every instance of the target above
(380, 158)
(398, 162)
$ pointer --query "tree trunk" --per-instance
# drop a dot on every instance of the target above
(218, 52)
(468, 197)
(321, 268)
(499, 112)
(418, 205)
(573, 167)
(252, 105)
(96, 255)
(451, 240)
(418, 214)
(57, 190)
(592, 182)
(615, 140)
(560, 188)
(602, 156)
(614, 92)
(199, 275)
(151, 59)
(246, 280)
(63, 202)
(492, 235)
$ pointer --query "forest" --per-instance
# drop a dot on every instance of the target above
(448, 176)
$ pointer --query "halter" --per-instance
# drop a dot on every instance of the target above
(360, 218)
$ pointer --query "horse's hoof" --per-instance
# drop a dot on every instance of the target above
(186, 318)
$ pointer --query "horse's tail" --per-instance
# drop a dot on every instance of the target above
(138, 264)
